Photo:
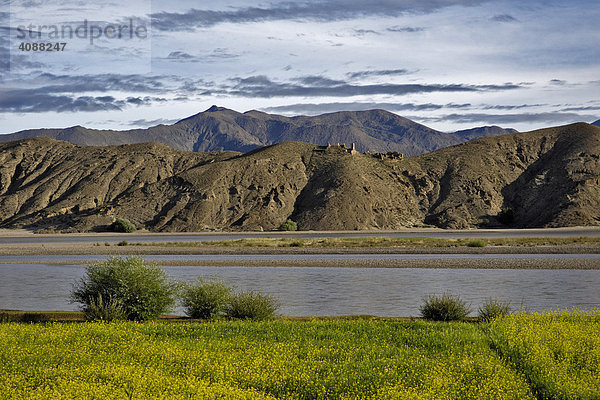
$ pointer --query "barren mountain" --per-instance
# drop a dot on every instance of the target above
(549, 177)
(220, 129)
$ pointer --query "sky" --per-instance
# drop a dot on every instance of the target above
(448, 64)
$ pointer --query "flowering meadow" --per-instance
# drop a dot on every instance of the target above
(558, 351)
(320, 359)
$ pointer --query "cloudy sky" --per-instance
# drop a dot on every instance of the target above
(449, 64)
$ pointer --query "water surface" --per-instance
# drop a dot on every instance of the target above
(333, 291)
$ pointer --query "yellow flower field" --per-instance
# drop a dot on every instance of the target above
(559, 352)
(250, 360)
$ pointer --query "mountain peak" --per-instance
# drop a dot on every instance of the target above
(215, 108)
(597, 123)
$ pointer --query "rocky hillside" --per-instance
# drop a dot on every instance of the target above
(220, 129)
(549, 177)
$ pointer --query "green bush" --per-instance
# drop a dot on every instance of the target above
(477, 243)
(251, 305)
(143, 290)
(493, 308)
(122, 225)
(105, 310)
(288, 225)
(205, 299)
(444, 308)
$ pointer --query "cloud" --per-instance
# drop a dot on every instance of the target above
(504, 119)
(38, 100)
(180, 55)
(262, 87)
(364, 32)
(558, 82)
(382, 72)
(407, 29)
(316, 80)
(319, 11)
(21, 101)
(320, 108)
(218, 54)
(52, 83)
(582, 108)
(510, 107)
(503, 18)
(145, 123)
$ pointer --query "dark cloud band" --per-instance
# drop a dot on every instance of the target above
(320, 11)
(263, 87)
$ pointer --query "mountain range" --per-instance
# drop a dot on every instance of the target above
(544, 178)
(221, 129)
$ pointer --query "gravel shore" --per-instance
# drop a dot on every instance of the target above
(512, 263)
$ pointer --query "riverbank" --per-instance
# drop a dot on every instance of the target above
(548, 263)
(28, 248)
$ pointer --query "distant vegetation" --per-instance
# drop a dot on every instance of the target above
(477, 243)
(123, 225)
(288, 225)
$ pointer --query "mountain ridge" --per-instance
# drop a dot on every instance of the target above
(544, 178)
(222, 129)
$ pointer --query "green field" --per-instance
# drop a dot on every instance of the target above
(319, 359)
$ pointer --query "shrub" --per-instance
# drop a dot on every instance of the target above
(122, 225)
(477, 243)
(493, 308)
(143, 290)
(444, 308)
(123, 243)
(251, 305)
(106, 310)
(205, 300)
(288, 225)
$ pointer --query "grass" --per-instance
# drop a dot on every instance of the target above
(379, 242)
(255, 360)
